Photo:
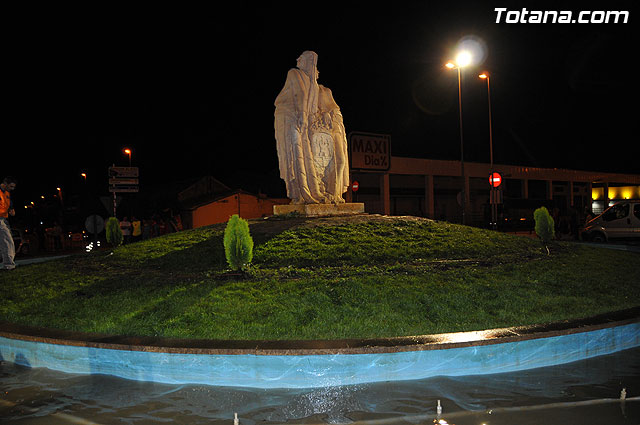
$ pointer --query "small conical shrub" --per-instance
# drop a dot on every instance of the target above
(545, 228)
(238, 244)
(114, 233)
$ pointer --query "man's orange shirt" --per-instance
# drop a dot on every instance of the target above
(5, 203)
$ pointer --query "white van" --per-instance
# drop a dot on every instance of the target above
(619, 221)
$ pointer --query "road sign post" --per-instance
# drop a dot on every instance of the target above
(354, 188)
(122, 180)
(495, 197)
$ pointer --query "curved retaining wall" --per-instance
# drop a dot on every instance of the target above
(304, 364)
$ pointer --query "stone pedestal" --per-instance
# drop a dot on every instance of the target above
(318, 210)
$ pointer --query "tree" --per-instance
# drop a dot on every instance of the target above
(114, 233)
(545, 228)
(238, 244)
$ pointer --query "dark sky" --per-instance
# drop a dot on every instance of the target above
(191, 90)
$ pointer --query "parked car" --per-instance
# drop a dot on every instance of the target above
(619, 221)
(20, 242)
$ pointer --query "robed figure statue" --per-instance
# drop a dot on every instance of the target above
(310, 136)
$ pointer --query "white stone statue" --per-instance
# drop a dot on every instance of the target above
(311, 139)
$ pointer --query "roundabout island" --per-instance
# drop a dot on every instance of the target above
(327, 301)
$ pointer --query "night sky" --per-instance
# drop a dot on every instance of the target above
(191, 90)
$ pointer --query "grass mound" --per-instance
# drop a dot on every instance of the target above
(343, 277)
(388, 243)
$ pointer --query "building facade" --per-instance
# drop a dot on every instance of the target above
(433, 189)
(208, 201)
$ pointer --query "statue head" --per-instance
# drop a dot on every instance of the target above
(308, 63)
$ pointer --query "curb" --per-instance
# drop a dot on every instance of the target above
(307, 364)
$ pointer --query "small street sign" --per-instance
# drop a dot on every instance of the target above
(126, 188)
(94, 224)
(495, 180)
(107, 201)
(122, 181)
(123, 172)
(355, 186)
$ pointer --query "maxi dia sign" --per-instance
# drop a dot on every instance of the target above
(369, 151)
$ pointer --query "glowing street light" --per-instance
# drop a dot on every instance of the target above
(463, 58)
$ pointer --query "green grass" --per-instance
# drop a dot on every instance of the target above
(323, 279)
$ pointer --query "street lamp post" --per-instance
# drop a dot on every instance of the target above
(60, 196)
(128, 152)
(59, 189)
(463, 59)
(485, 76)
(494, 205)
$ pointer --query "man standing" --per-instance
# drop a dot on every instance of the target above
(136, 227)
(7, 248)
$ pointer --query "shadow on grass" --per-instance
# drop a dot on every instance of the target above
(177, 253)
